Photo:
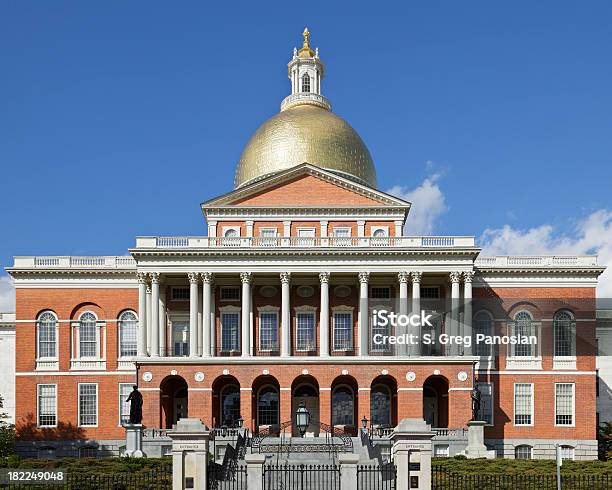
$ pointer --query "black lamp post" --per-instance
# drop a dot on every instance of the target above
(239, 422)
(364, 423)
(302, 419)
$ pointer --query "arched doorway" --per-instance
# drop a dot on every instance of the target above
(435, 401)
(383, 402)
(226, 401)
(344, 404)
(305, 389)
(174, 400)
(266, 403)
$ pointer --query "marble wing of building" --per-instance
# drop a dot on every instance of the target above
(274, 307)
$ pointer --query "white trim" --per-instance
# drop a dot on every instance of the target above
(305, 310)
(269, 309)
(75, 373)
(79, 405)
(225, 229)
(38, 405)
(532, 412)
(531, 373)
(119, 396)
(573, 424)
(374, 229)
(410, 389)
(343, 309)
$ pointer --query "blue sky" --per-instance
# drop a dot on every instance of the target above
(119, 118)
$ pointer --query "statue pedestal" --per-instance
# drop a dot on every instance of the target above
(133, 440)
(476, 446)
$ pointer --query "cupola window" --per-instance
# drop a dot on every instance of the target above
(305, 83)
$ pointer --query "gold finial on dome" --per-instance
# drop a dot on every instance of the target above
(306, 52)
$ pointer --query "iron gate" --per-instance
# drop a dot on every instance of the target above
(301, 477)
(376, 477)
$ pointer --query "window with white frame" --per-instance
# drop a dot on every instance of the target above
(567, 452)
(523, 452)
(124, 407)
(305, 83)
(229, 293)
(88, 335)
(486, 402)
(343, 330)
(380, 232)
(564, 404)
(342, 232)
(47, 405)
(88, 404)
(380, 292)
(523, 404)
(564, 330)
(268, 331)
(231, 232)
(524, 326)
(305, 331)
(378, 332)
(180, 337)
(267, 232)
(128, 334)
(46, 333)
(230, 331)
(180, 294)
(482, 324)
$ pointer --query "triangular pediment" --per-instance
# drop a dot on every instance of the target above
(305, 186)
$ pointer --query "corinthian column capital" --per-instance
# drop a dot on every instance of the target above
(455, 277)
(246, 277)
(193, 277)
(207, 277)
(364, 277)
(403, 277)
(285, 277)
(141, 277)
(416, 276)
(155, 276)
(468, 276)
(324, 277)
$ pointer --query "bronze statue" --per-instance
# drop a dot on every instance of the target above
(135, 400)
(476, 395)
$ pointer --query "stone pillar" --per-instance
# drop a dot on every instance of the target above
(467, 310)
(246, 278)
(193, 314)
(476, 446)
(254, 464)
(190, 442)
(285, 278)
(402, 277)
(415, 350)
(133, 441)
(162, 322)
(142, 314)
(324, 315)
(199, 331)
(412, 444)
(348, 469)
(206, 282)
(148, 317)
(364, 314)
(154, 314)
(455, 278)
(213, 320)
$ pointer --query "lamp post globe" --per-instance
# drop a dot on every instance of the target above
(302, 419)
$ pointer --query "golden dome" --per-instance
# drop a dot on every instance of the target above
(305, 133)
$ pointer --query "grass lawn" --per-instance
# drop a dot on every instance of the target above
(521, 466)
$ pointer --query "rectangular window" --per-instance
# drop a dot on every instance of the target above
(567, 452)
(46, 340)
(267, 232)
(305, 331)
(342, 232)
(47, 405)
(380, 292)
(180, 338)
(441, 451)
(88, 339)
(523, 404)
(230, 293)
(430, 292)
(180, 294)
(268, 332)
(343, 331)
(486, 402)
(88, 404)
(230, 331)
(124, 407)
(564, 404)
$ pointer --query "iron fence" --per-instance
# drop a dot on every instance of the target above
(447, 480)
(376, 477)
(301, 477)
(159, 479)
(220, 478)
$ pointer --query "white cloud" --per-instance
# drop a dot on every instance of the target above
(7, 295)
(428, 204)
(591, 235)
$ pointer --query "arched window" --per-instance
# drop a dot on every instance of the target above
(46, 327)
(88, 335)
(380, 405)
(380, 232)
(523, 326)
(483, 324)
(268, 406)
(231, 233)
(128, 334)
(343, 406)
(564, 334)
(305, 83)
(230, 405)
(523, 452)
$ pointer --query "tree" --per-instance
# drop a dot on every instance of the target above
(7, 433)
(604, 439)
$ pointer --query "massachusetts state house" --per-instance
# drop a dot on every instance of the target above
(272, 308)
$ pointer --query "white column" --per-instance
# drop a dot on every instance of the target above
(162, 322)
(467, 309)
(455, 278)
(246, 278)
(364, 278)
(398, 228)
(415, 350)
(206, 283)
(324, 315)
(249, 228)
(286, 229)
(142, 314)
(154, 314)
(361, 228)
(193, 314)
(199, 332)
(213, 320)
(285, 278)
(402, 277)
(148, 318)
(212, 229)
